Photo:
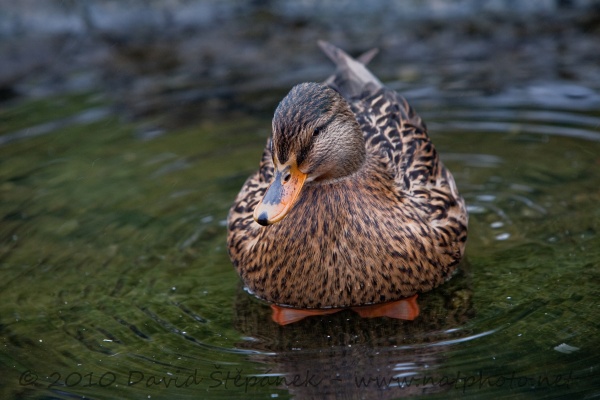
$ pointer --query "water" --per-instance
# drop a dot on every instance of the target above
(116, 281)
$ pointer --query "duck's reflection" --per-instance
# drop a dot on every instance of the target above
(344, 356)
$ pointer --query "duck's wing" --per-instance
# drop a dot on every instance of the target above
(392, 128)
(390, 125)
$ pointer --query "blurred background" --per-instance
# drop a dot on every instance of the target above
(210, 55)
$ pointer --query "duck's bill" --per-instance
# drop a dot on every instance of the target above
(280, 196)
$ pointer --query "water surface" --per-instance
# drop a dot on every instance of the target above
(116, 281)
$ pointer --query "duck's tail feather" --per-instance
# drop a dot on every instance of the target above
(366, 57)
(351, 78)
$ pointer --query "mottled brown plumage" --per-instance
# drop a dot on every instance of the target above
(360, 209)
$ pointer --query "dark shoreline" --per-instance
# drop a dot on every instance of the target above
(235, 57)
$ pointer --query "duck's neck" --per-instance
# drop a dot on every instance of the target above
(368, 167)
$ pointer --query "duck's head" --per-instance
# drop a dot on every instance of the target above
(315, 138)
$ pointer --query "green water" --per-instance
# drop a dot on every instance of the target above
(115, 280)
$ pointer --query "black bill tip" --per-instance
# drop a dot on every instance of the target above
(263, 219)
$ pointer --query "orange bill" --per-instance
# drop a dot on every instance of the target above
(407, 309)
(280, 196)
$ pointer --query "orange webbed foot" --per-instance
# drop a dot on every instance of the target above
(286, 315)
(406, 309)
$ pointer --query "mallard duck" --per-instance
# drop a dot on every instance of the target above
(351, 206)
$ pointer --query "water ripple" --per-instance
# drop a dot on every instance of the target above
(85, 117)
(508, 127)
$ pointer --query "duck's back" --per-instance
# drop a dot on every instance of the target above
(391, 127)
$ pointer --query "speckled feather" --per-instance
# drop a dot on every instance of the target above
(394, 228)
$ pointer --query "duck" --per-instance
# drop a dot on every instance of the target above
(351, 207)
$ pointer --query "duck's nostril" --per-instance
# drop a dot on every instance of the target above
(287, 178)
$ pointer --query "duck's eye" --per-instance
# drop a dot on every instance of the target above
(316, 131)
